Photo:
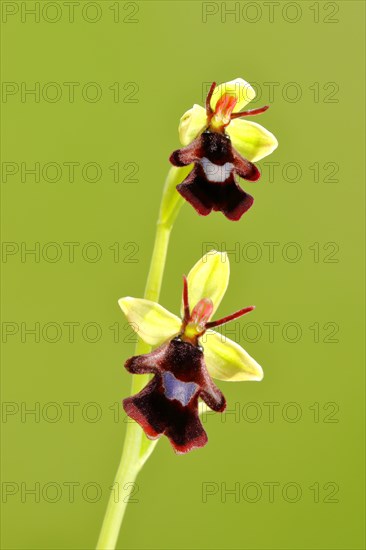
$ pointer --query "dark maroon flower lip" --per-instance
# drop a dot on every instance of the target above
(168, 405)
(211, 185)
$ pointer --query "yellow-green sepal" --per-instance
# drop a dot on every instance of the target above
(238, 88)
(226, 360)
(152, 322)
(192, 124)
(209, 278)
(251, 140)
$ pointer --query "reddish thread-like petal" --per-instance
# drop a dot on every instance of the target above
(185, 300)
(251, 112)
(209, 110)
(229, 317)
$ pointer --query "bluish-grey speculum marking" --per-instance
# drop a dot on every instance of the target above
(176, 389)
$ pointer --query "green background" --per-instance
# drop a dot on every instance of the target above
(317, 380)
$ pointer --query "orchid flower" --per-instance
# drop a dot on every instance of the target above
(221, 145)
(183, 366)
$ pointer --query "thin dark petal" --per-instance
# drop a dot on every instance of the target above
(210, 393)
(214, 399)
(213, 396)
(146, 364)
(245, 169)
(187, 155)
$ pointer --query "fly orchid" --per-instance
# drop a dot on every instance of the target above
(182, 368)
(220, 146)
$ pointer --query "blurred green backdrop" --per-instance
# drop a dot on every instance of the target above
(110, 81)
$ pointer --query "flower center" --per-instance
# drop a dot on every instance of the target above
(196, 323)
(222, 115)
(195, 326)
(218, 119)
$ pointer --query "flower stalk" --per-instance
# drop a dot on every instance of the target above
(137, 447)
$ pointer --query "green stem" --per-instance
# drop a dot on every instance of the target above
(137, 448)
